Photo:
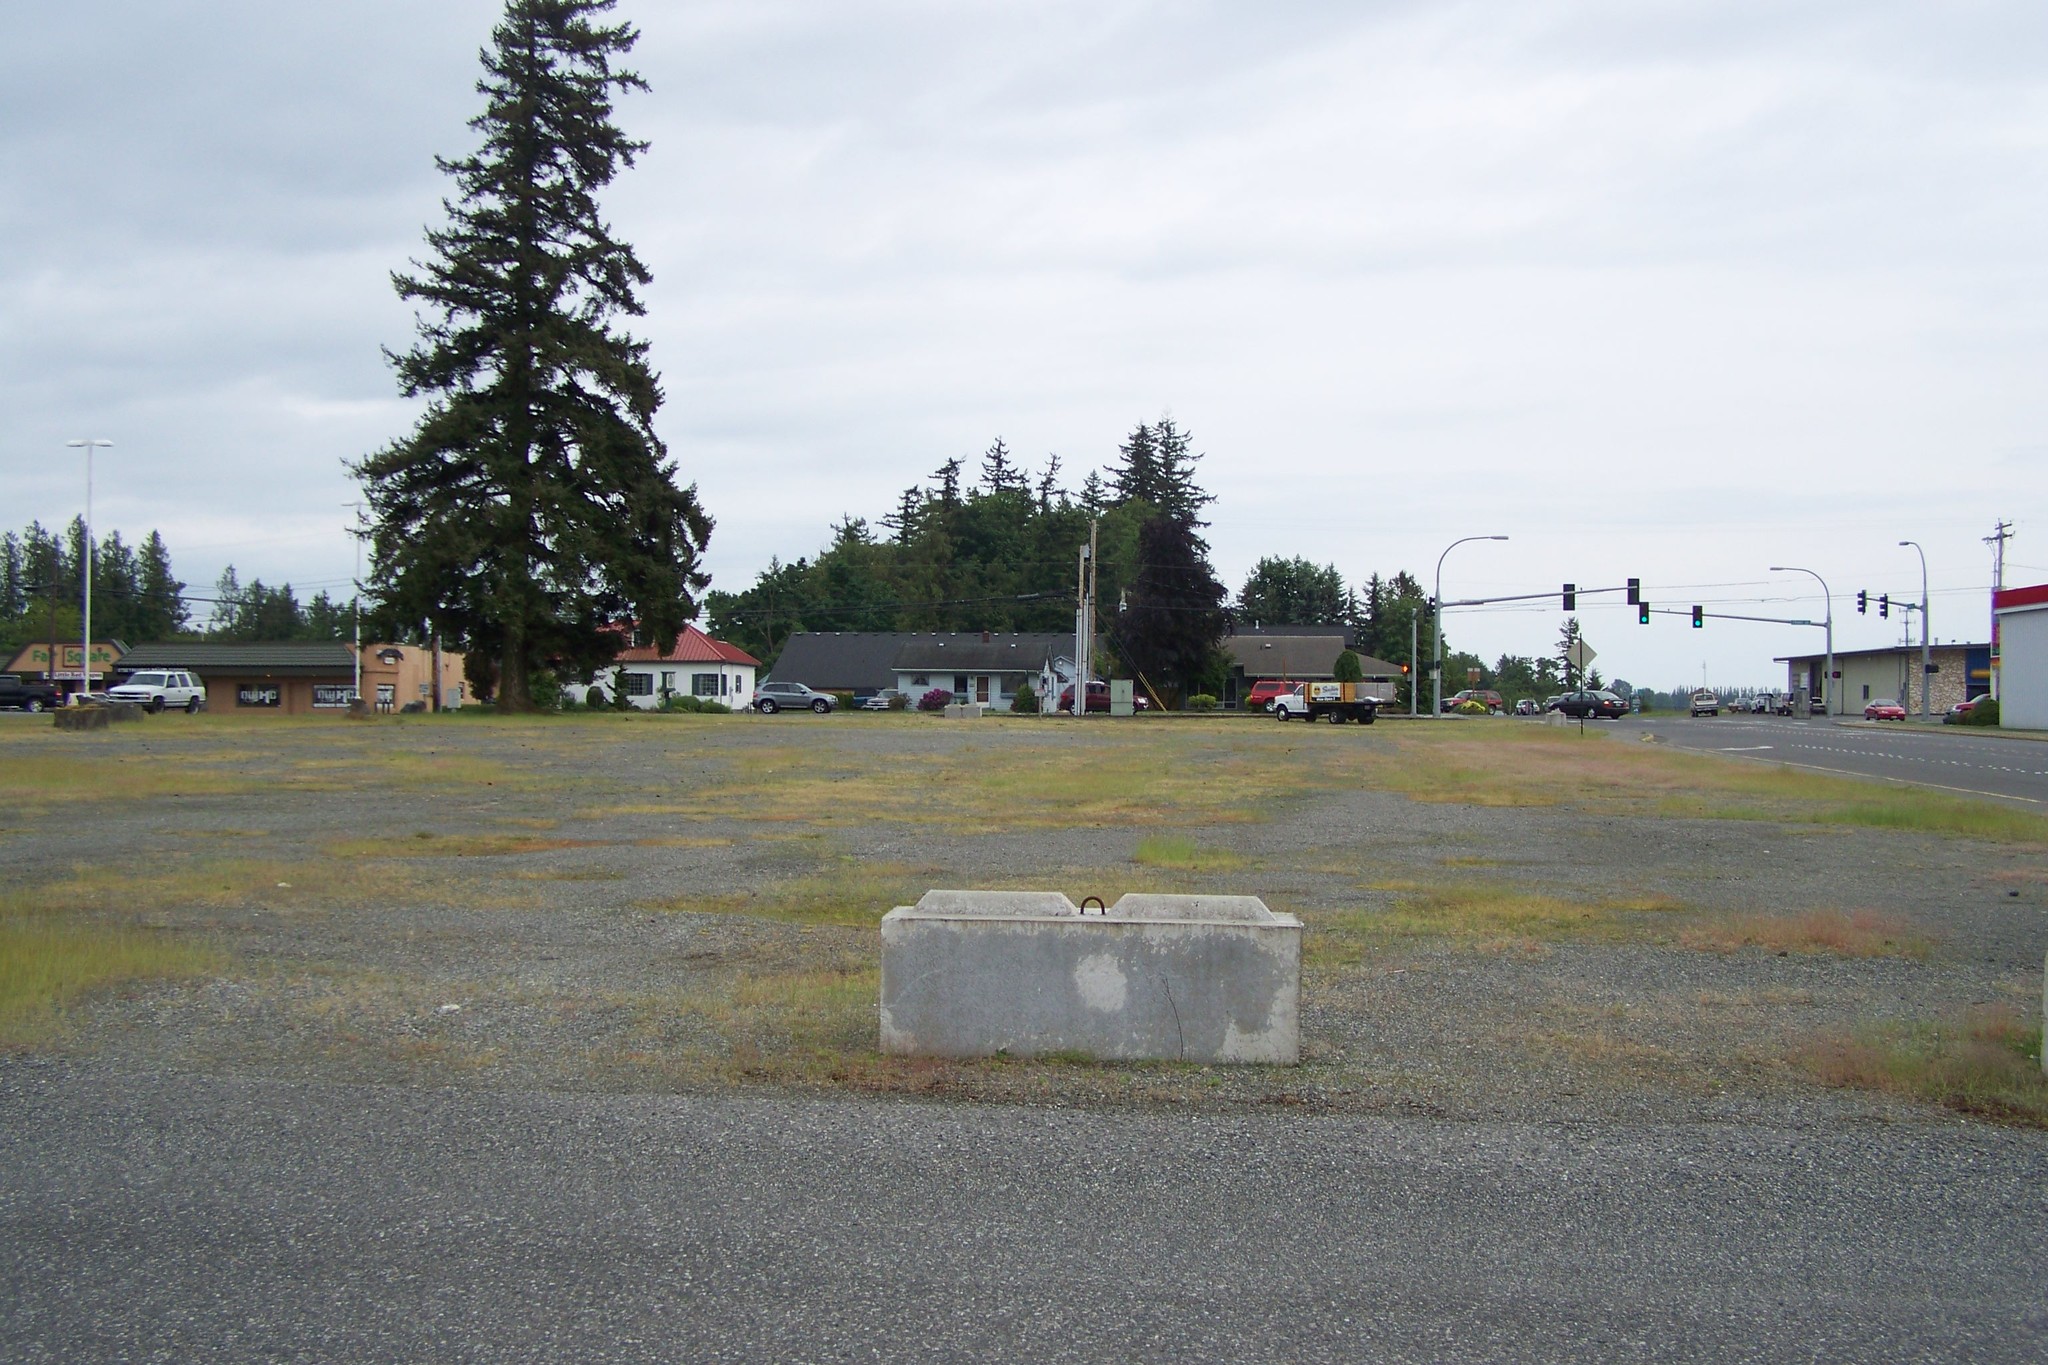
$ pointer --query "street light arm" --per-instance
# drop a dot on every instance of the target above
(1828, 600)
(1436, 612)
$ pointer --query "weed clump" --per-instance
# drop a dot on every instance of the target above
(1989, 1065)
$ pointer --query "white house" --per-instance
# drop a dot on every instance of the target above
(2023, 657)
(984, 666)
(698, 666)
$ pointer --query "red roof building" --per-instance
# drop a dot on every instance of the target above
(698, 666)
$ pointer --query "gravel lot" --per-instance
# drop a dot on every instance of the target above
(570, 967)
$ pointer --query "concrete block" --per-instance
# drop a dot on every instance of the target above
(1153, 978)
(964, 710)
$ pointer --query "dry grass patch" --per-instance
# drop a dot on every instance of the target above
(180, 884)
(70, 774)
(852, 893)
(425, 844)
(1483, 916)
(52, 957)
(1835, 933)
(1988, 1064)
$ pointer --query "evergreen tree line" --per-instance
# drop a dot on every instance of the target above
(997, 549)
(137, 598)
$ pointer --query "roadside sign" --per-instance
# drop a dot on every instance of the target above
(1580, 653)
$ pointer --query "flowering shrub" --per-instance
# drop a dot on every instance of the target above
(938, 699)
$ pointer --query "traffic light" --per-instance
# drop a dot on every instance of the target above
(1404, 670)
(1884, 605)
(1699, 618)
(1635, 593)
(1571, 597)
(1862, 601)
(1643, 613)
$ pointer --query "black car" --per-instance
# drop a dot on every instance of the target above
(1592, 705)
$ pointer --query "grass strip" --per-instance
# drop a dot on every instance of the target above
(1987, 1064)
(50, 958)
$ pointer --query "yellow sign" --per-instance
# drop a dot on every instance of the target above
(36, 659)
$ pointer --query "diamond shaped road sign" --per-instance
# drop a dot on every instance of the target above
(1581, 654)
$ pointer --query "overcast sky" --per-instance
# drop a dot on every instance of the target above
(1666, 290)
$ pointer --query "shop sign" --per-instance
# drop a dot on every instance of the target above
(259, 694)
(332, 695)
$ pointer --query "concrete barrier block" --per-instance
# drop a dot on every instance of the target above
(964, 710)
(1154, 978)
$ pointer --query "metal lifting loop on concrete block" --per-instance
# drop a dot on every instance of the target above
(1095, 901)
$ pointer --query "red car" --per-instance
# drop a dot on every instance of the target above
(1884, 710)
(1266, 691)
(1098, 698)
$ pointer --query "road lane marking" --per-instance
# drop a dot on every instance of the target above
(1747, 749)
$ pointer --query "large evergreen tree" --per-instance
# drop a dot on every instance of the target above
(1284, 592)
(533, 507)
(1168, 633)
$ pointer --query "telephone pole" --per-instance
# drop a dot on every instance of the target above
(2000, 534)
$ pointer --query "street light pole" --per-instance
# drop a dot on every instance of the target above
(1436, 709)
(1833, 706)
(356, 601)
(85, 626)
(1926, 651)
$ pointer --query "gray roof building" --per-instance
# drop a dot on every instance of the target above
(1300, 657)
(839, 661)
(980, 652)
(278, 659)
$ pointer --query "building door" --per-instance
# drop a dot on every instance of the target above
(981, 690)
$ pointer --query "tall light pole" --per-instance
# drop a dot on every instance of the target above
(356, 602)
(1436, 708)
(85, 631)
(1926, 649)
(1833, 707)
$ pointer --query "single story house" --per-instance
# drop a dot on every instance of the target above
(698, 666)
(2022, 615)
(304, 677)
(1299, 654)
(983, 666)
(856, 661)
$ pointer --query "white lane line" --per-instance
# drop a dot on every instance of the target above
(1904, 782)
(1747, 749)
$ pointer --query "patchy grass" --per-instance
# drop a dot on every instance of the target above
(851, 893)
(186, 883)
(50, 958)
(1835, 933)
(1987, 1064)
(1479, 915)
(426, 844)
(82, 776)
(1185, 855)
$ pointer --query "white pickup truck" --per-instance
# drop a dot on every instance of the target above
(1338, 701)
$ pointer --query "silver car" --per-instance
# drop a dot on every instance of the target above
(788, 696)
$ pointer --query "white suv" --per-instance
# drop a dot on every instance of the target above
(157, 688)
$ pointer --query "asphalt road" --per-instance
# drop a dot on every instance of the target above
(184, 1217)
(1952, 758)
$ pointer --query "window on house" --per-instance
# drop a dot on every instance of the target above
(639, 684)
(704, 684)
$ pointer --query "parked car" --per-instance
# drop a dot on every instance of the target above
(27, 694)
(1600, 705)
(1705, 703)
(158, 688)
(790, 696)
(1760, 704)
(1963, 708)
(881, 700)
(1485, 696)
(1264, 692)
(1098, 698)
(1528, 706)
(1884, 709)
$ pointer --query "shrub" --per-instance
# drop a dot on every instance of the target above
(714, 708)
(899, 701)
(1201, 701)
(1348, 668)
(938, 699)
(845, 700)
(1985, 712)
(682, 702)
(1025, 701)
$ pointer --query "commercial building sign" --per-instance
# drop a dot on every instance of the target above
(332, 696)
(259, 694)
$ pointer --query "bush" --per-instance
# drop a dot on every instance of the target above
(899, 701)
(713, 708)
(1201, 701)
(1024, 701)
(682, 702)
(1348, 668)
(938, 699)
(845, 700)
(1985, 712)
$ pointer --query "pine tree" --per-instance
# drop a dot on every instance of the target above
(533, 508)
(1175, 617)
(999, 473)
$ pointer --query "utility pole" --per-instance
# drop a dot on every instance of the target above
(1084, 621)
(2000, 534)
(1414, 645)
(356, 600)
